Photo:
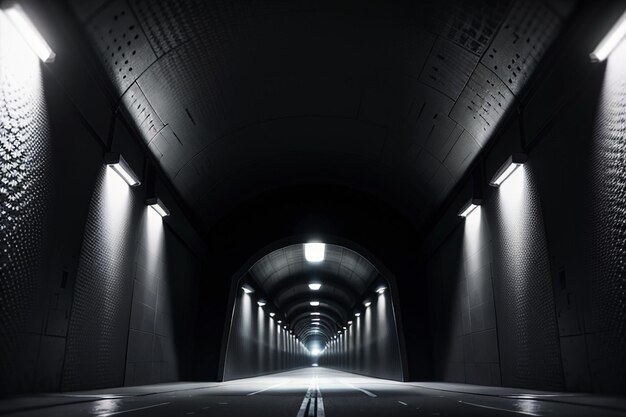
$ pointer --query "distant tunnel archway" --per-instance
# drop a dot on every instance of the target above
(348, 321)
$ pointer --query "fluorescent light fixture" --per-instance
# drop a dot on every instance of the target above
(285, 327)
(261, 302)
(314, 303)
(315, 313)
(272, 314)
(349, 321)
(381, 289)
(316, 323)
(247, 289)
(116, 162)
(279, 321)
(157, 205)
(357, 314)
(339, 332)
(610, 40)
(507, 168)
(29, 32)
(315, 286)
(367, 303)
(314, 252)
(315, 319)
(470, 206)
(345, 328)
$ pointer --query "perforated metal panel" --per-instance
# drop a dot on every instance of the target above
(25, 184)
(98, 331)
(120, 41)
(607, 184)
(528, 333)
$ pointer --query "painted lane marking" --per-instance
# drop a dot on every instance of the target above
(402, 402)
(267, 389)
(364, 391)
(312, 404)
(129, 411)
(526, 413)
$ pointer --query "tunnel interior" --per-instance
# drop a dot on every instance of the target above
(456, 169)
(313, 304)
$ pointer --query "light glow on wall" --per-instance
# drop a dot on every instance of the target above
(314, 251)
(29, 33)
(610, 41)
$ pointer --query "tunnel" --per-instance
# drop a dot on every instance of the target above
(310, 208)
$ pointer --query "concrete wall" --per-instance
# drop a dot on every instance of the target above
(90, 283)
(370, 345)
(257, 344)
(528, 290)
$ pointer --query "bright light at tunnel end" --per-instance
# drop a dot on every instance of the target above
(610, 40)
(314, 251)
(29, 32)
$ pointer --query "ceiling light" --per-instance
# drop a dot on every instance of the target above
(357, 314)
(314, 252)
(247, 289)
(116, 162)
(272, 314)
(316, 324)
(314, 303)
(261, 302)
(507, 168)
(367, 303)
(610, 40)
(157, 205)
(315, 319)
(315, 313)
(29, 32)
(315, 286)
(381, 289)
(469, 207)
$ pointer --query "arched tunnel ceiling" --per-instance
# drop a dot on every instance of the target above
(392, 98)
(283, 277)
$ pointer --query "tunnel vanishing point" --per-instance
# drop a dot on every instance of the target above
(310, 208)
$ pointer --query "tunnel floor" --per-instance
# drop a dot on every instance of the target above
(310, 392)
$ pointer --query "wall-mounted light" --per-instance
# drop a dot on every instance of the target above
(116, 162)
(285, 327)
(314, 303)
(261, 302)
(610, 40)
(272, 314)
(29, 32)
(469, 207)
(367, 303)
(247, 289)
(349, 321)
(381, 289)
(157, 205)
(315, 286)
(339, 332)
(357, 314)
(507, 168)
(314, 252)
(315, 313)
(279, 321)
